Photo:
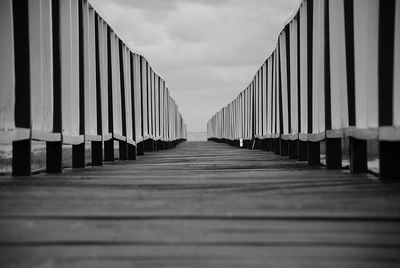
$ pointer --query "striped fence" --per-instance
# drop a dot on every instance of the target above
(334, 74)
(66, 77)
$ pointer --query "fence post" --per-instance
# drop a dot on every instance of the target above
(160, 145)
(389, 160)
(313, 153)
(358, 155)
(293, 149)
(277, 146)
(302, 150)
(148, 145)
(54, 157)
(21, 158)
(388, 85)
(21, 151)
(109, 150)
(155, 145)
(131, 152)
(140, 148)
(268, 144)
(78, 155)
(284, 147)
(333, 147)
(123, 150)
(97, 153)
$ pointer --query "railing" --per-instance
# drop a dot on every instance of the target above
(67, 78)
(334, 74)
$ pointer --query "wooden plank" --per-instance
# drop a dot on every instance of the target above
(201, 204)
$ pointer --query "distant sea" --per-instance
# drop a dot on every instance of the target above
(197, 136)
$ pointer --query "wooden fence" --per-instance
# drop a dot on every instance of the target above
(334, 74)
(66, 77)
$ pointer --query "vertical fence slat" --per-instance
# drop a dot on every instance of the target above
(396, 82)
(7, 67)
(366, 63)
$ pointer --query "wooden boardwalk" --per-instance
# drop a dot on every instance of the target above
(202, 204)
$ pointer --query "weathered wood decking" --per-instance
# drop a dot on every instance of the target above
(201, 204)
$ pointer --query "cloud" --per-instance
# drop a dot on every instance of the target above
(206, 50)
(165, 5)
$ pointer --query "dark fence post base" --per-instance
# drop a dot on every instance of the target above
(293, 149)
(131, 152)
(78, 155)
(160, 145)
(54, 157)
(155, 146)
(389, 160)
(284, 147)
(272, 145)
(263, 144)
(249, 143)
(123, 150)
(245, 144)
(140, 148)
(148, 145)
(302, 150)
(237, 143)
(358, 155)
(313, 153)
(109, 150)
(254, 143)
(268, 144)
(277, 146)
(21, 158)
(97, 153)
(257, 144)
(333, 147)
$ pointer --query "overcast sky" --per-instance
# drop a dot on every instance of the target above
(207, 51)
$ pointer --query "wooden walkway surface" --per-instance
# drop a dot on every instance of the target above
(202, 204)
